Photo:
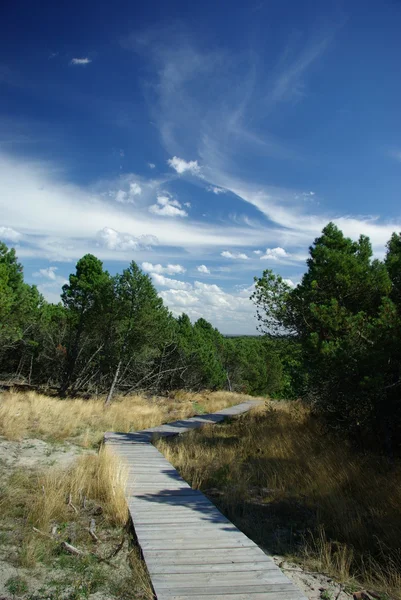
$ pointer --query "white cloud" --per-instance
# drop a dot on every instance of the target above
(187, 204)
(121, 196)
(169, 269)
(166, 207)
(80, 61)
(60, 220)
(9, 234)
(181, 166)
(275, 254)
(174, 284)
(128, 197)
(257, 252)
(135, 189)
(216, 190)
(114, 240)
(234, 255)
(230, 312)
(203, 269)
(49, 273)
(290, 283)
(50, 289)
(151, 165)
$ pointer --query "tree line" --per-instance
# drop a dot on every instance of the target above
(334, 340)
(346, 316)
(113, 334)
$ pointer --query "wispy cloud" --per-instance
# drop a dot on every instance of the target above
(234, 255)
(288, 81)
(80, 61)
(216, 190)
(9, 234)
(49, 273)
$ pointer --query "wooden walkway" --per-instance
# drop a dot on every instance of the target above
(191, 550)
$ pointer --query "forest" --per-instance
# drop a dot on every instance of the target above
(334, 340)
(113, 334)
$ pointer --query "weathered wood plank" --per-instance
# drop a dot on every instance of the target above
(216, 591)
(273, 595)
(193, 552)
(200, 580)
(208, 567)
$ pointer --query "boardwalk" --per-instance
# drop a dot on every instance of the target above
(191, 550)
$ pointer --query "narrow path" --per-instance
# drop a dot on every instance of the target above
(192, 551)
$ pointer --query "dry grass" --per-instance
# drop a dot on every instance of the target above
(100, 478)
(85, 421)
(57, 505)
(300, 492)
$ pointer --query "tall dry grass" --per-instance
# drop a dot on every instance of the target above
(85, 421)
(44, 498)
(299, 491)
(56, 505)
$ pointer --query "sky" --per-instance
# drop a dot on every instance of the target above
(205, 141)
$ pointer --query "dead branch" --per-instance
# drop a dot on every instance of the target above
(91, 530)
(117, 550)
(69, 503)
(77, 552)
(71, 549)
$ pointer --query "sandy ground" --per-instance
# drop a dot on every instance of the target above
(35, 454)
(313, 585)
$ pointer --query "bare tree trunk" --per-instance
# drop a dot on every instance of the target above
(229, 382)
(113, 385)
(30, 370)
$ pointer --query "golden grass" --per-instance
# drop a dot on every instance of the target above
(100, 478)
(56, 505)
(44, 499)
(85, 421)
(299, 491)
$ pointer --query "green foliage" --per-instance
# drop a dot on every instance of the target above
(345, 314)
(17, 586)
(114, 333)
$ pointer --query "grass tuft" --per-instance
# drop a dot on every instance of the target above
(300, 492)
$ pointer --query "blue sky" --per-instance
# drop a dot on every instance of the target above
(206, 141)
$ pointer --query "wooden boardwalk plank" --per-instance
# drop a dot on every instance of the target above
(192, 551)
